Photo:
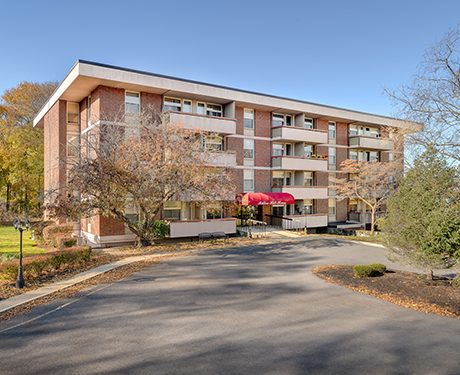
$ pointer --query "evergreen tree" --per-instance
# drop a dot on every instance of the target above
(422, 225)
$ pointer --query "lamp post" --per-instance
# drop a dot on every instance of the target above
(20, 226)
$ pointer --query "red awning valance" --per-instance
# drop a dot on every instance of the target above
(254, 199)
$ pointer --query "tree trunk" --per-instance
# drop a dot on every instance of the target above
(372, 221)
(430, 274)
(8, 196)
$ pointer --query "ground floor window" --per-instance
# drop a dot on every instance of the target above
(278, 210)
(171, 210)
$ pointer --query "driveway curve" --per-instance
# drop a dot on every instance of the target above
(250, 310)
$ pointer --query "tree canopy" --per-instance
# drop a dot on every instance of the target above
(423, 217)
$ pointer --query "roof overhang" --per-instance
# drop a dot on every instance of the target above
(85, 76)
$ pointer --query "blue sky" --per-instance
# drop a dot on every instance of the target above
(341, 53)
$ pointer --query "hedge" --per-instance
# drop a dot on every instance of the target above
(37, 266)
(370, 270)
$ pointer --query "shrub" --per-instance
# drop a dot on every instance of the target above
(52, 234)
(37, 266)
(455, 282)
(370, 270)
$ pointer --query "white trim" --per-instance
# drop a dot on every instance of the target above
(109, 75)
(103, 240)
(250, 137)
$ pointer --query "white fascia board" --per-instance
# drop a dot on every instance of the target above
(56, 95)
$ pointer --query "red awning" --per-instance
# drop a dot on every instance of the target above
(254, 199)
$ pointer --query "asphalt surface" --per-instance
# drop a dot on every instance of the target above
(254, 310)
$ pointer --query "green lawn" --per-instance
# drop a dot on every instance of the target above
(9, 242)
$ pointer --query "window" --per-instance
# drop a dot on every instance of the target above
(214, 211)
(353, 155)
(278, 178)
(308, 151)
(88, 111)
(172, 104)
(308, 123)
(72, 146)
(288, 149)
(248, 118)
(171, 210)
(214, 143)
(331, 156)
(248, 183)
(308, 178)
(308, 206)
(331, 127)
(277, 149)
(373, 156)
(132, 103)
(332, 207)
(287, 178)
(278, 210)
(249, 149)
(277, 120)
(352, 130)
(73, 110)
(201, 108)
(187, 106)
(214, 110)
(131, 212)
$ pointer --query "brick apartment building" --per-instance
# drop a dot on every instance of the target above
(274, 144)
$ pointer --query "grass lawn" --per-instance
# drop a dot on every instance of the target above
(9, 242)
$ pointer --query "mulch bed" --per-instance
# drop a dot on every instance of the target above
(8, 289)
(405, 289)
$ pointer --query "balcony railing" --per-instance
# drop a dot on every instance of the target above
(303, 192)
(371, 143)
(305, 221)
(297, 134)
(192, 228)
(364, 217)
(221, 125)
(222, 159)
(299, 163)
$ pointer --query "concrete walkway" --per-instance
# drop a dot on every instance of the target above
(21, 299)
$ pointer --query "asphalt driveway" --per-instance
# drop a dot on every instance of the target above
(254, 310)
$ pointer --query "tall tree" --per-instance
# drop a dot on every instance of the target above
(433, 98)
(139, 163)
(369, 182)
(21, 146)
(422, 225)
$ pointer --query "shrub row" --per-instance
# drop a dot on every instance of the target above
(39, 265)
(370, 270)
(59, 236)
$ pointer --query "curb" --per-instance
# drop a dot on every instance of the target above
(21, 299)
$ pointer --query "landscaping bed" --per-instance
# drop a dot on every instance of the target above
(406, 289)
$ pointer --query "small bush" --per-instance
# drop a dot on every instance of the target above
(455, 282)
(370, 270)
(37, 266)
(52, 234)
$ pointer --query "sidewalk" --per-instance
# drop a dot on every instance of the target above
(21, 299)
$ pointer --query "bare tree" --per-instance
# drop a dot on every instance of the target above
(433, 98)
(369, 182)
(140, 162)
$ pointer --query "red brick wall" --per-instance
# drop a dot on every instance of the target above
(110, 227)
(321, 206)
(342, 210)
(236, 144)
(151, 101)
(262, 180)
(262, 123)
(239, 116)
(342, 133)
(262, 153)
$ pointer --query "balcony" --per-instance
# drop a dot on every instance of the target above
(305, 221)
(221, 125)
(299, 163)
(225, 159)
(192, 228)
(303, 192)
(364, 217)
(370, 143)
(296, 134)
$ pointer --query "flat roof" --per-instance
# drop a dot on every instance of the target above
(86, 75)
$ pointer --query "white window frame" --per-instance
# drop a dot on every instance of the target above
(332, 133)
(308, 176)
(248, 180)
(248, 152)
(72, 113)
(332, 156)
(220, 111)
(279, 147)
(177, 104)
(250, 112)
(311, 124)
(126, 102)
